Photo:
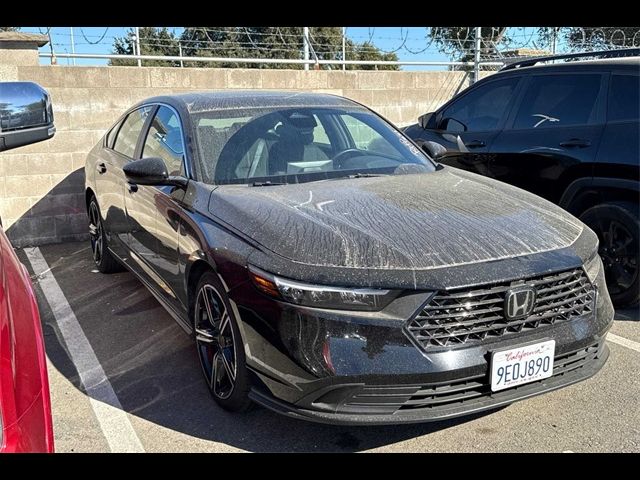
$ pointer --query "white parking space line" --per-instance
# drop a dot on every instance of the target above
(625, 342)
(115, 424)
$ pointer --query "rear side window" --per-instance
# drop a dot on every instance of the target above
(479, 110)
(624, 98)
(130, 131)
(558, 101)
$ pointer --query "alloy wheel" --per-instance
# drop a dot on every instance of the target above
(215, 342)
(618, 254)
(95, 232)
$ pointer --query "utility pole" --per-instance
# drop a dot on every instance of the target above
(344, 47)
(305, 33)
(476, 56)
(138, 45)
(180, 52)
(555, 40)
(73, 45)
(54, 60)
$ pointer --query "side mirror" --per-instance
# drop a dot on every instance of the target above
(434, 149)
(26, 114)
(151, 171)
(423, 120)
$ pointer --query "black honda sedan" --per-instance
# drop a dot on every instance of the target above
(329, 270)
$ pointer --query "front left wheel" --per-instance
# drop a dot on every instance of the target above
(219, 345)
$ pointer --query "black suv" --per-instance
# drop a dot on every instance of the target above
(568, 132)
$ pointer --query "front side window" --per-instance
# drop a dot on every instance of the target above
(164, 140)
(291, 145)
(559, 100)
(129, 132)
(481, 109)
(320, 135)
(624, 98)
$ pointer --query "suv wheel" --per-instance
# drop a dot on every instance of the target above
(618, 228)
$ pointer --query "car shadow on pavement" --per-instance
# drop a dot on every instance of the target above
(153, 367)
(628, 314)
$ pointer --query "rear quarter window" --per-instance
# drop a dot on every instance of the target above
(111, 135)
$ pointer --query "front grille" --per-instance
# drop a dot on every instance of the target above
(444, 395)
(468, 316)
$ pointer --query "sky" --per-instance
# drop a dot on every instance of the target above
(91, 40)
(409, 43)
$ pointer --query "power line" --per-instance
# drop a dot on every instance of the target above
(94, 43)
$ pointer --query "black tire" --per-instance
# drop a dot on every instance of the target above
(219, 345)
(102, 257)
(618, 228)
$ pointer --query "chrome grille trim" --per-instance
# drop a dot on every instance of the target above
(466, 316)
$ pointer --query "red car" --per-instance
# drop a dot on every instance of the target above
(25, 408)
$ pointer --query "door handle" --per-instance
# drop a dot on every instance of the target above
(575, 142)
(475, 144)
(101, 167)
(132, 187)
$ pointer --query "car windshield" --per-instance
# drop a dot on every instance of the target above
(294, 145)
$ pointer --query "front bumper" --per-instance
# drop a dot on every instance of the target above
(362, 368)
(447, 401)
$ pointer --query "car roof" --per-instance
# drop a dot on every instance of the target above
(215, 100)
(601, 63)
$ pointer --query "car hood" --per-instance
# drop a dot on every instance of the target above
(417, 221)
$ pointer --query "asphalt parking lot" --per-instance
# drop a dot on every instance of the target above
(125, 377)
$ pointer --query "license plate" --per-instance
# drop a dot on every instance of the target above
(519, 365)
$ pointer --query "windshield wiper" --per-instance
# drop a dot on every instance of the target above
(266, 184)
(368, 175)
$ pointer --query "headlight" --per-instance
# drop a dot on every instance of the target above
(592, 267)
(320, 296)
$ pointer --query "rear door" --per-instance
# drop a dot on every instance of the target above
(469, 125)
(619, 151)
(110, 181)
(555, 128)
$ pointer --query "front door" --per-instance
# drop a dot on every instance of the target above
(469, 125)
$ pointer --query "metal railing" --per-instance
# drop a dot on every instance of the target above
(284, 61)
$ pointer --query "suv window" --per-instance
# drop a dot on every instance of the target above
(624, 98)
(164, 140)
(481, 109)
(130, 131)
(559, 100)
